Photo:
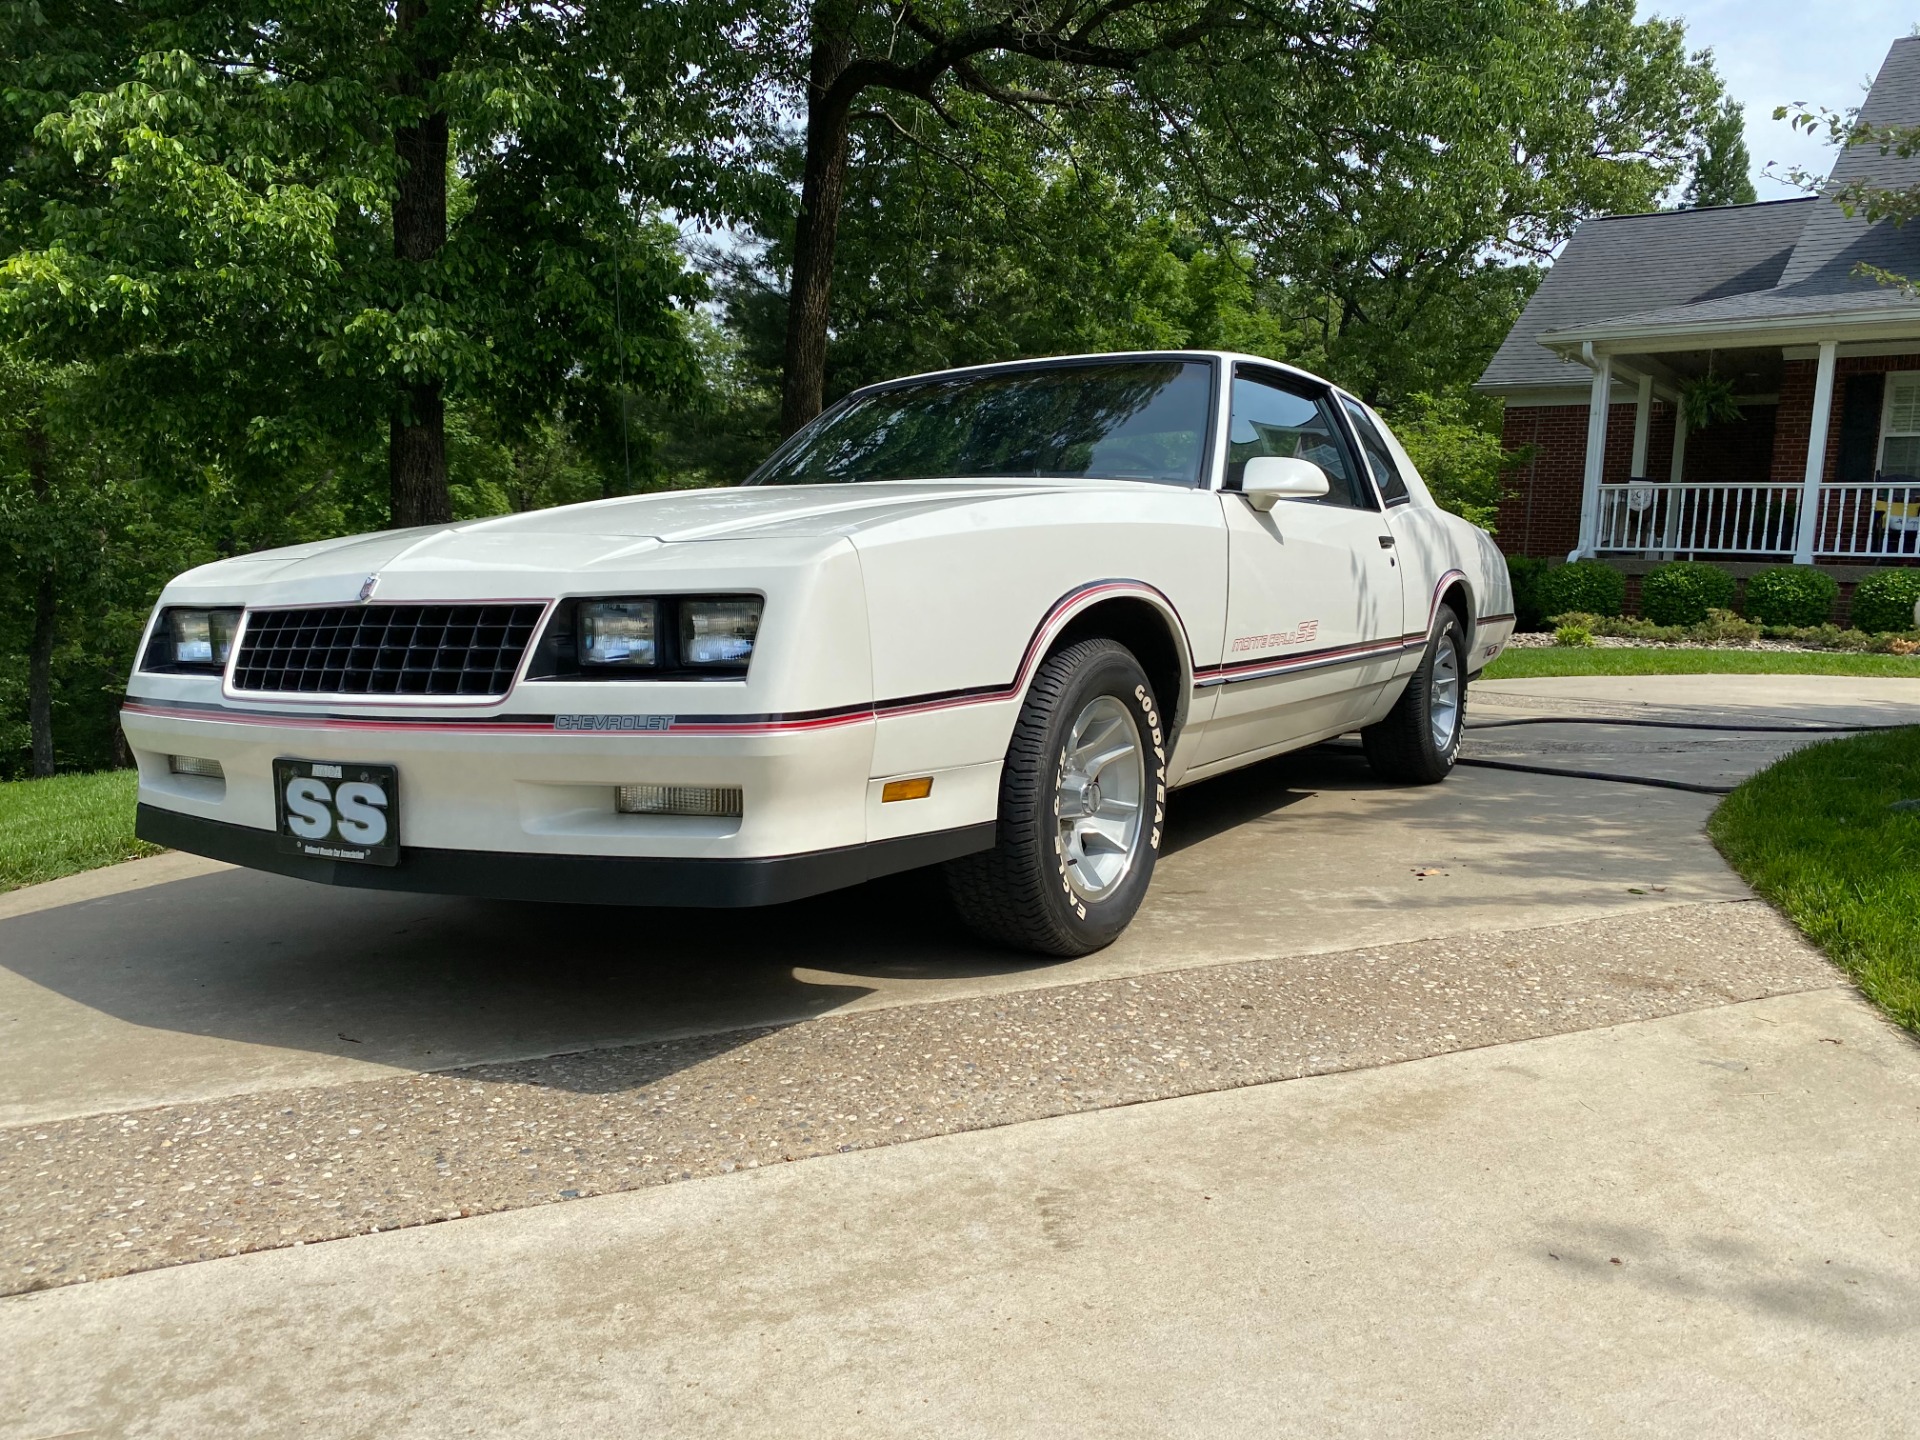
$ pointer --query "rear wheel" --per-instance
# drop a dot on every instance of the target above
(1419, 740)
(1082, 798)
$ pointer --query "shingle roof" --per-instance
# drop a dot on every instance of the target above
(1781, 260)
(1834, 242)
(1626, 264)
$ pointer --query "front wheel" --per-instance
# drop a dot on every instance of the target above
(1082, 800)
(1419, 740)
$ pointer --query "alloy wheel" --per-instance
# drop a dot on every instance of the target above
(1099, 799)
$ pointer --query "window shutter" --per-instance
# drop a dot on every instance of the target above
(1860, 428)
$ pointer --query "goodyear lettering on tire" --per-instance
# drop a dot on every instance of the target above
(1145, 697)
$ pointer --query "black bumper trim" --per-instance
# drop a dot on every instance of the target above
(582, 879)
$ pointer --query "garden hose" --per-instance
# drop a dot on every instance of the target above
(1653, 781)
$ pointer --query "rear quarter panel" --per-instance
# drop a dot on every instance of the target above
(1433, 542)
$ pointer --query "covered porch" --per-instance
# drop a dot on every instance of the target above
(1821, 465)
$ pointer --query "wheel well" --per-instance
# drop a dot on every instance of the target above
(1145, 631)
(1461, 603)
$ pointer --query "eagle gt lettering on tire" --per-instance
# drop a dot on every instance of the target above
(1083, 800)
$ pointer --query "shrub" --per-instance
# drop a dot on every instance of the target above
(1525, 572)
(1885, 601)
(1821, 637)
(1617, 627)
(1681, 593)
(1586, 585)
(1796, 595)
(1573, 635)
(1721, 626)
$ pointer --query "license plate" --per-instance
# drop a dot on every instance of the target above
(337, 810)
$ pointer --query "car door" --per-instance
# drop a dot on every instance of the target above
(1313, 587)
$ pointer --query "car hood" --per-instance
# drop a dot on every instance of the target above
(608, 533)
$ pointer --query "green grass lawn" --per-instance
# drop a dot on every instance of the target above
(50, 828)
(1567, 660)
(1816, 834)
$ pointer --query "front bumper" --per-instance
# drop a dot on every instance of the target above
(582, 879)
(525, 784)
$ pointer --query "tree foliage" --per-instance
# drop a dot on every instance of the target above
(1723, 175)
(1454, 444)
(1402, 189)
(230, 229)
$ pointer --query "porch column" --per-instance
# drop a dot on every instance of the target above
(1816, 454)
(1602, 396)
(1675, 497)
(1642, 415)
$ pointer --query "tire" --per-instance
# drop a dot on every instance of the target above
(1055, 883)
(1419, 740)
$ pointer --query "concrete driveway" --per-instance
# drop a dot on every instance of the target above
(1493, 1107)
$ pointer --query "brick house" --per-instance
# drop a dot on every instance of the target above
(1822, 465)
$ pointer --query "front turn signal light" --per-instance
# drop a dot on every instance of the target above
(915, 789)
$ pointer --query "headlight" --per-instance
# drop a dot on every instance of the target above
(648, 637)
(192, 639)
(625, 633)
(718, 632)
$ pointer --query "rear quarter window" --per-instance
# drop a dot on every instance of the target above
(1386, 474)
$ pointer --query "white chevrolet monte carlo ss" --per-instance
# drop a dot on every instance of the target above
(984, 619)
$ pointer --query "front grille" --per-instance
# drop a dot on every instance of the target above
(385, 649)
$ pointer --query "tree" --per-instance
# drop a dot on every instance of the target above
(1401, 191)
(1454, 441)
(908, 52)
(1723, 173)
(306, 214)
(198, 212)
(47, 53)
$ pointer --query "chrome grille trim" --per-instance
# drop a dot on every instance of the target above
(456, 650)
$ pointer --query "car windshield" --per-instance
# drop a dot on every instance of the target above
(1119, 420)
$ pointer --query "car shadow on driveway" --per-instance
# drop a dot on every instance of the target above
(431, 982)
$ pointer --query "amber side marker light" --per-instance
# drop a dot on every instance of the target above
(917, 789)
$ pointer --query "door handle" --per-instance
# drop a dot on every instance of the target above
(1386, 542)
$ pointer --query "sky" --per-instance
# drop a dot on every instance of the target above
(1774, 52)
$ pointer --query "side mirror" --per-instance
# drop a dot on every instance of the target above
(1269, 479)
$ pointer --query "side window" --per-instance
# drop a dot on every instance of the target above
(1393, 488)
(1900, 434)
(1268, 420)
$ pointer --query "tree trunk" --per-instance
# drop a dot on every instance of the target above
(40, 675)
(823, 188)
(417, 457)
(417, 433)
(45, 618)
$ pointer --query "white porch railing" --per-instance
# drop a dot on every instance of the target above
(1699, 519)
(1855, 522)
(1862, 522)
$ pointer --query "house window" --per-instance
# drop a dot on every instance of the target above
(1900, 426)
